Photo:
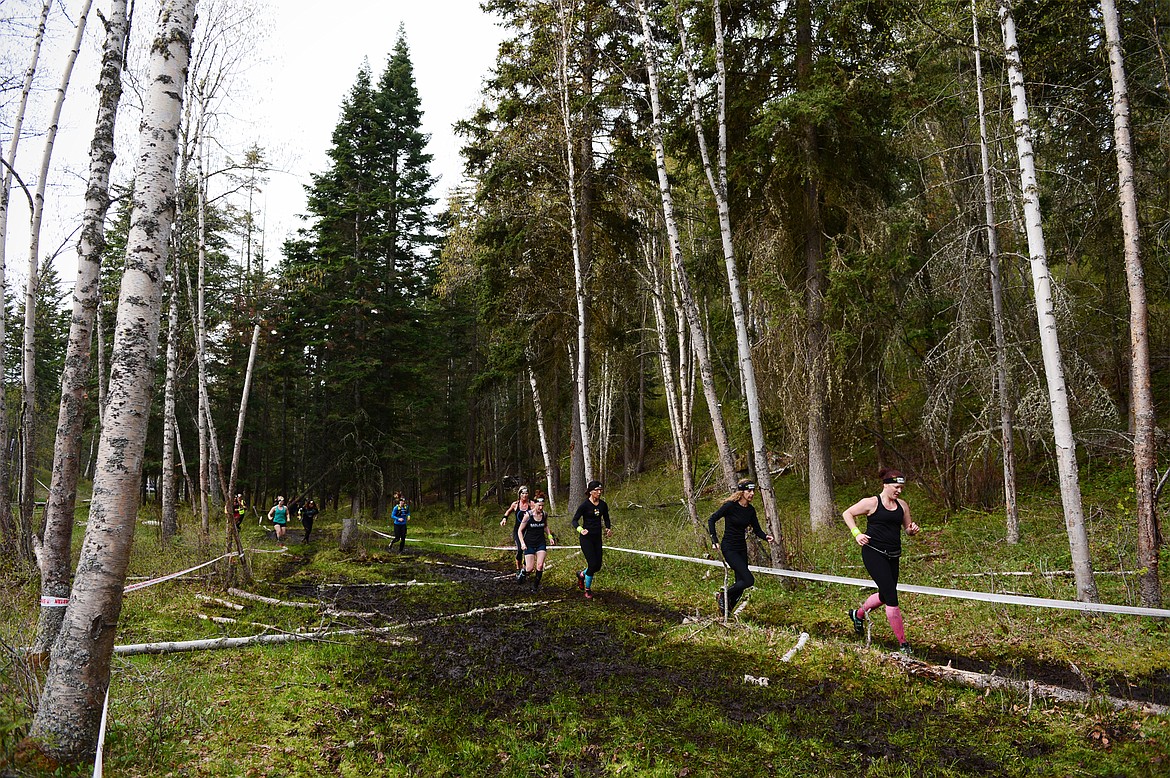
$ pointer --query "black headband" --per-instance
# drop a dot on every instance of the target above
(897, 479)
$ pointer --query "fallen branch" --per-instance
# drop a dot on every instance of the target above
(384, 585)
(292, 604)
(213, 644)
(792, 651)
(217, 601)
(1056, 693)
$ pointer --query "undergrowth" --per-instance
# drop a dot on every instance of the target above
(641, 681)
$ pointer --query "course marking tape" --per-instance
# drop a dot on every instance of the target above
(153, 581)
(959, 594)
(864, 583)
(54, 602)
(101, 741)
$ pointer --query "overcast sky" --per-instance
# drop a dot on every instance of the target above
(306, 58)
(318, 54)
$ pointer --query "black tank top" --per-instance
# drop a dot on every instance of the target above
(884, 527)
(534, 530)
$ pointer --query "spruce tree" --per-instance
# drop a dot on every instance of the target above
(357, 289)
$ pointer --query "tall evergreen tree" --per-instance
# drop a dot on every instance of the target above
(357, 286)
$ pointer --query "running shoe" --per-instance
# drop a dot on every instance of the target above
(719, 601)
(588, 595)
(520, 576)
(905, 650)
(858, 620)
(580, 580)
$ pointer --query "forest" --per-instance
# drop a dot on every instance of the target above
(696, 243)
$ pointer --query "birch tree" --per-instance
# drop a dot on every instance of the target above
(28, 397)
(716, 174)
(9, 173)
(1141, 399)
(66, 723)
(538, 409)
(1066, 458)
(580, 367)
(682, 282)
(1007, 422)
(58, 515)
(673, 384)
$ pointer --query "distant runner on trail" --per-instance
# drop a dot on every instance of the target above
(278, 515)
(308, 513)
(738, 516)
(881, 545)
(534, 540)
(521, 507)
(587, 521)
(400, 514)
(238, 509)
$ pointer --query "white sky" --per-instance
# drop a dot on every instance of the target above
(318, 54)
(306, 59)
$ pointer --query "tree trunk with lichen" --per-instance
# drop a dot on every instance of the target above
(65, 728)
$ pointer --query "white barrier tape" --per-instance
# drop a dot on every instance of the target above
(101, 740)
(266, 550)
(959, 594)
(153, 581)
(54, 602)
(379, 534)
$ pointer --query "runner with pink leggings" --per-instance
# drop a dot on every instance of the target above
(881, 546)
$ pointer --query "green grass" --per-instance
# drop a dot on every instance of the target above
(623, 686)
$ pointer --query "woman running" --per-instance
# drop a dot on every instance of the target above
(521, 507)
(278, 515)
(738, 516)
(533, 534)
(400, 515)
(881, 545)
(588, 522)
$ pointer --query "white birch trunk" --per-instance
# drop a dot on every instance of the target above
(6, 524)
(1066, 455)
(717, 181)
(581, 374)
(28, 435)
(683, 285)
(1141, 396)
(675, 397)
(170, 502)
(544, 449)
(1006, 414)
(55, 554)
(66, 722)
(238, 446)
(200, 339)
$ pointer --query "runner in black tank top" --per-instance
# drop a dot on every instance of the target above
(534, 540)
(881, 546)
(521, 508)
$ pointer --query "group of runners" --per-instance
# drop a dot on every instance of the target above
(532, 535)
(280, 513)
(886, 514)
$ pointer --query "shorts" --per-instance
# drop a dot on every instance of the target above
(533, 549)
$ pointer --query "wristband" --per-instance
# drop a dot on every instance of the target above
(855, 531)
(580, 530)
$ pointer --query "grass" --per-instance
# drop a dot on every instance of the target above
(640, 682)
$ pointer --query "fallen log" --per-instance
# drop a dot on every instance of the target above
(1031, 688)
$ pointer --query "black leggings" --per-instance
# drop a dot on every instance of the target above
(591, 548)
(516, 542)
(737, 560)
(884, 572)
(399, 537)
